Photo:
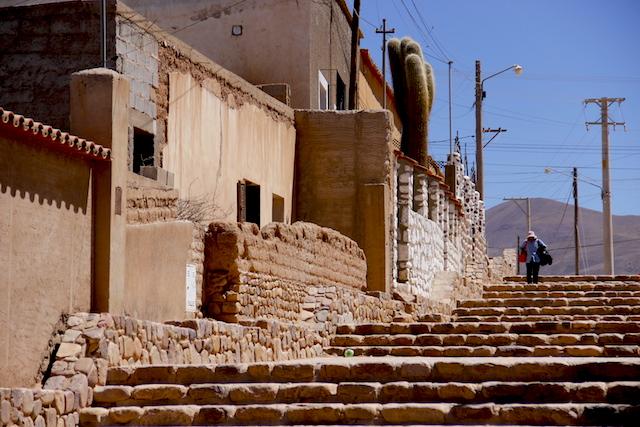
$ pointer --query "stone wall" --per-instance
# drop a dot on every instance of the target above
(426, 252)
(301, 254)
(147, 201)
(89, 344)
(504, 265)
(437, 229)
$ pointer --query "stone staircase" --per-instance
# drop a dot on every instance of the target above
(514, 319)
(499, 380)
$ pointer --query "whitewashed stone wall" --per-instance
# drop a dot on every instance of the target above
(437, 228)
(426, 252)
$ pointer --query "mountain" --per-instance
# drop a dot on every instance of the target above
(553, 223)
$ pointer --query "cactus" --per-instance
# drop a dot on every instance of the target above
(418, 108)
(414, 90)
(431, 84)
(396, 63)
(410, 46)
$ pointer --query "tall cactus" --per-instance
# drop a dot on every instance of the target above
(414, 89)
(431, 84)
(396, 63)
(418, 108)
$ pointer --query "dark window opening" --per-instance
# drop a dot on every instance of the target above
(249, 202)
(143, 150)
(277, 209)
(340, 93)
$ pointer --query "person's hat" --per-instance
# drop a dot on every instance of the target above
(531, 234)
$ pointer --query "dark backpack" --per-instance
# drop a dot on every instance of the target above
(543, 254)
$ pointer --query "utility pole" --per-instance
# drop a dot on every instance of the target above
(384, 33)
(607, 228)
(527, 212)
(576, 236)
(450, 131)
(355, 45)
(479, 171)
(517, 255)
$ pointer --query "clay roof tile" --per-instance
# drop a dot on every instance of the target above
(39, 132)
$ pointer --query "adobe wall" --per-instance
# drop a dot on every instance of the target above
(156, 259)
(211, 147)
(296, 273)
(40, 47)
(343, 179)
(256, 55)
(45, 251)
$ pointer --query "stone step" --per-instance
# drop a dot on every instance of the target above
(354, 369)
(565, 286)
(366, 413)
(561, 294)
(550, 302)
(366, 392)
(549, 327)
(546, 318)
(486, 339)
(577, 310)
(512, 350)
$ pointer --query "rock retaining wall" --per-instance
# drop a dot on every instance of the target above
(285, 259)
(92, 343)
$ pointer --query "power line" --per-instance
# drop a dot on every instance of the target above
(581, 246)
(426, 27)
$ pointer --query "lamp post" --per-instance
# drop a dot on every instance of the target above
(479, 97)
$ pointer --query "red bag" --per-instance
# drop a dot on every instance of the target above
(522, 256)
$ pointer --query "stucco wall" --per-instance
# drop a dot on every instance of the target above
(344, 180)
(45, 252)
(338, 152)
(156, 260)
(270, 50)
(214, 143)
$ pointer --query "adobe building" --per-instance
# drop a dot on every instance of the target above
(205, 175)
(175, 93)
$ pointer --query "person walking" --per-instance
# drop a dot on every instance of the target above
(531, 247)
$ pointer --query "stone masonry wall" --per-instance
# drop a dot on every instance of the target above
(437, 229)
(291, 258)
(426, 252)
(92, 343)
(149, 202)
(504, 265)
(296, 273)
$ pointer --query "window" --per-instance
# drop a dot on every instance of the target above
(277, 209)
(341, 95)
(248, 202)
(143, 150)
(323, 92)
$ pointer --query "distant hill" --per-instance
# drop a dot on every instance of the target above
(505, 221)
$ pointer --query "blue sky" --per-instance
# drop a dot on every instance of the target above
(570, 50)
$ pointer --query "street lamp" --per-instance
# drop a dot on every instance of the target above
(517, 69)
